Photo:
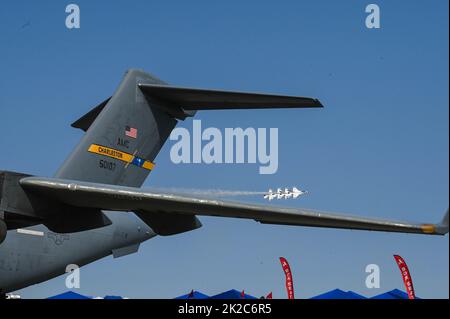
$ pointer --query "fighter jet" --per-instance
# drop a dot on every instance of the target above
(280, 193)
(94, 207)
(270, 195)
(286, 194)
(296, 192)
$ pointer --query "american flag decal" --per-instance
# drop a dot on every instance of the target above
(131, 132)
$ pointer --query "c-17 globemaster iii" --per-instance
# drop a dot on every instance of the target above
(94, 207)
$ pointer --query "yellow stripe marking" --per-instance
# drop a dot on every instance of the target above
(148, 165)
(428, 229)
(128, 163)
(119, 155)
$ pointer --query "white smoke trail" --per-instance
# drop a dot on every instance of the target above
(206, 192)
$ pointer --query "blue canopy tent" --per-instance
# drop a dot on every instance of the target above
(339, 294)
(393, 294)
(193, 295)
(232, 294)
(69, 295)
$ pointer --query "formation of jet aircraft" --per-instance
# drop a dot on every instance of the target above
(286, 194)
(94, 207)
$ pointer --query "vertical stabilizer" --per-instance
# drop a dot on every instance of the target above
(123, 136)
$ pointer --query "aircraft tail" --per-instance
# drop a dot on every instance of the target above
(123, 136)
(125, 132)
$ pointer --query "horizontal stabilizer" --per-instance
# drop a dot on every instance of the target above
(204, 99)
(182, 102)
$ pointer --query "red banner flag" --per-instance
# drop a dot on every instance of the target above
(269, 296)
(243, 294)
(406, 276)
(289, 282)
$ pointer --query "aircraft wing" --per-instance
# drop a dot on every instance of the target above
(172, 207)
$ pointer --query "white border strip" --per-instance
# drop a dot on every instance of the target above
(30, 232)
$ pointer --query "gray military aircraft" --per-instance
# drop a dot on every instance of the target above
(94, 207)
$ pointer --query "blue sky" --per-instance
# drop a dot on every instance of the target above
(379, 147)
